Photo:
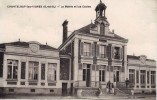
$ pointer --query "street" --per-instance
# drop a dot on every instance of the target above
(137, 97)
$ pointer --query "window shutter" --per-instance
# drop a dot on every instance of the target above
(93, 67)
(80, 66)
(111, 68)
(112, 52)
(97, 50)
(81, 48)
(72, 48)
(105, 51)
(93, 49)
(122, 69)
(97, 67)
(108, 52)
(122, 52)
(107, 68)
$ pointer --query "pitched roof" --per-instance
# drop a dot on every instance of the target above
(86, 30)
(26, 44)
(133, 57)
(137, 57)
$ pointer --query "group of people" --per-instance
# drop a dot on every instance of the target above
(110, 87)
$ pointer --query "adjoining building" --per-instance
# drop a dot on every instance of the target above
(29, 67)
(142, 73)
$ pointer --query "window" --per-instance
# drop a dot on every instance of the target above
(152, 77)
(102, 29)
(12, 69)
(148, 77)
(117, 53)
(86, 72)
(143, 77)
(32, 90)
(22, 83)
(102, 51)
(87, 48)
(51, 90)
(131, 75)
(51, 72)
(23, 70)
(42, 71)
(1, 69)
(11, 90)
(137, 76)
(102, 73)
(1, 63)
(42, 84)
(33, 70)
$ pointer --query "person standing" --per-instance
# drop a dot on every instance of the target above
(127, 82)
(112, 88)
(109, 86)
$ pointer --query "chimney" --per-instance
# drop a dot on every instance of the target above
(65, 30)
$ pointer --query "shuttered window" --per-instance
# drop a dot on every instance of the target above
(87, 49)
(102, 73)
(116, 53)
(103, 51)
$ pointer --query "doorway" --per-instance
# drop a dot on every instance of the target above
(116, 74)
(88, 76)
(64, 89)
(71, 89)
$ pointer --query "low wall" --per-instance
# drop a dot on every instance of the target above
(86, 91)
(42, 91)
(145, 90)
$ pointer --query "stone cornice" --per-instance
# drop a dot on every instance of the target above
(30, 55)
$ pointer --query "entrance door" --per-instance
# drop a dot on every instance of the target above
(71, 89)
(88, 76)
(116, 76)
(64, 89)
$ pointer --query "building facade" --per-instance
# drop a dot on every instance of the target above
(142, 73)
(97, 54)
(29, 67)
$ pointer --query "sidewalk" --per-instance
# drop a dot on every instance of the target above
(107, 97)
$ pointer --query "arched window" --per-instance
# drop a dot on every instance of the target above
(102, 28)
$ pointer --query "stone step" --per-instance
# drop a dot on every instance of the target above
(122, 92)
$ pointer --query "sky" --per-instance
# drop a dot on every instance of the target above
(135, 20)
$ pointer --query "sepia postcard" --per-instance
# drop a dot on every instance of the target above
(78, 49)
